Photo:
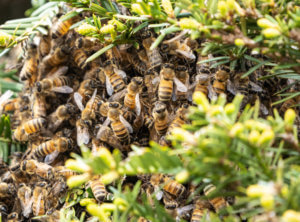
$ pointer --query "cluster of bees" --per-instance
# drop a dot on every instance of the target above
(126, 96)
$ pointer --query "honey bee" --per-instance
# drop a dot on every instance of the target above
(98, 189)
(137, 64)
(132, 99)
(61, 28)
(86, 89)
(83, 135)
(154, 57)
(106, 135)
(200, 210)
(65, 172)
(173, 188)
(202, 83)
(61, 144)
(167, 78)
(114, 78)
(6, 189)
(39, 106)
(87, 43)
(203, 68)
(161, 118)
(119, 125)
(42, 170)
(180, 118)
(29, 68)
(183, 76)
(13, 217)
(79, 58)
(13, 104)
(57, 84)
(44, 46)
(169, 202)
(218, 202)
(148, 121)
(19, 134)
(179, 48)
(39, 199)
(24, 195)
(220, 82)
(34, 125)
(57, 57)
(63, 112)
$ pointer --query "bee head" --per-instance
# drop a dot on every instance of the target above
(185, 105)
(181, 68)
(44, 122)
(39, 86)
(146, 34)
(23, 165)
(138, 80)
(164, 47)
(88, 123)
(13, 215)
(168, 66)
(114, 105)
(160, 107)
(107, 63)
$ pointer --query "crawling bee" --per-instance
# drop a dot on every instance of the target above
(80, 57)
(180, 118)
(200, 210)
(42, 170)
(167, 78)
(39, 106)
(98, 188)
(132, 99)
(44, 46)
(105, 134)
(137, 64)
(220, 82)
(29, 68)
(61, 27)
(183, 76)
(58, 84)
(24, 196)
(57, 57)
(153, 55)
(34, 125)
(39, 199)
(161, 118)
(218, 202)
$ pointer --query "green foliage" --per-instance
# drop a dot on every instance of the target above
(220, 146)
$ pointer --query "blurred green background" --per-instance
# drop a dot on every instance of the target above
(12, 9)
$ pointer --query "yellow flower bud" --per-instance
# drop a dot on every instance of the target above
(107, 158)
(107, 29)
(229, 108)
(285, 191)
(271, 33)
(267, 136)
(120, 26)
(291, 216)
(137, 8)
(77, 166)
(75, 181)
(97, 211)
(265, 23)
(254, 137)
(86, 201)
(289, 117)
(110, 177)
(167, 6)
(223, 8)
(184, 135)
(188, 23)
(239, 10)
(108, 207)
(237, 129)
(86, 29)
(182, 176)
(121, 203)
(239, 42)
(255, 191)
(267, 201)
(200, 99)
(4, 39)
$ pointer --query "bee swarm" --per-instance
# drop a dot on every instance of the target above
(126, 96)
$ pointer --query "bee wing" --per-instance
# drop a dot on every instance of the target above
(51, 157)
(83, 136)
(5, 96)
(189, 55)
(26, 207)
(62, 89)
(211, 93)
(38, 203)
(263, 109)
(126, 124)
(137, 104)
(106, 122)
(109, 87)
(255, 87)
(60, 71)
(101, 130)
(231, 87)
(94, 96)
(174, 96)
(158, 194)
(183, 210)
(180, 86)
(118, 96)
(120, 72)
(78, 101)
